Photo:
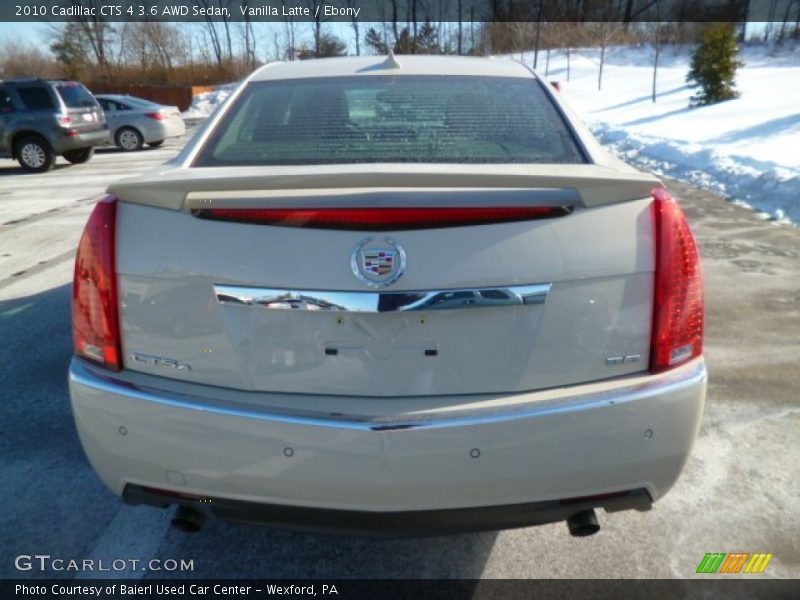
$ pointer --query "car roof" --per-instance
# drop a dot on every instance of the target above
(23, 80)
(126, 98)
(383, 65)
(113, 96)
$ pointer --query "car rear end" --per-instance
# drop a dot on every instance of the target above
(438, 306)
(82, 123)
(155, 121)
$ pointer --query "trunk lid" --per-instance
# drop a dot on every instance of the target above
(279, 309)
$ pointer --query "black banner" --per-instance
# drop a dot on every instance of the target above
(345, 589)
(394, 10)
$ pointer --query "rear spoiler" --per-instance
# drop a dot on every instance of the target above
(178, 188)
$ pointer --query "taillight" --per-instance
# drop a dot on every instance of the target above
(677, 334)
(382, 219)
(158, 116)
(64, 120)
(95, 302)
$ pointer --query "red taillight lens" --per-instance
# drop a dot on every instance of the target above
(678, 297)
(95, 314)
(64, 120)
(156, 115)
(382, 219)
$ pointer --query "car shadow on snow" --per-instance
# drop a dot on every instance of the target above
(7, 167)
(57, 505)
(783, 126)
(647, 98)
(117, 150)
(658, 117)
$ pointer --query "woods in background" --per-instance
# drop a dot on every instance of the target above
(217, 51)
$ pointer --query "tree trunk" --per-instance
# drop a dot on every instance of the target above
(414, 25)
(394, 22)
(354, 23)
(655, 66)
(785, 20)
(460, 49)
(602, 61)
(567, 63)
(228, 38)
(472, 28)
(538, 31)
(743, 33)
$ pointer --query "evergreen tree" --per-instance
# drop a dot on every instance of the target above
(714, 65)
(427, 41)
(375, 41)
(329, 45)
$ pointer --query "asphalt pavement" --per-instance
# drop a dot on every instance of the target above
(739, 492)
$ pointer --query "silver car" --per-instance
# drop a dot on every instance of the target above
(390, 295)
(135, 122)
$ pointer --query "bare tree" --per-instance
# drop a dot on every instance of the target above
(95, 33)
(24, 59)
(414, 25)
(289, 32)
(459, 45)
(317, 10)
(395, 30)
(539, 19)
(782, 34)
(212, 32)
(472, 26)
(354, 25)
(249, 37)
(602, 34)
(657, 41)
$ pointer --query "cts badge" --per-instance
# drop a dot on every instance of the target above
(159, 361)
(378, 265)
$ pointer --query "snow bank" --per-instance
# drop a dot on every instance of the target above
(206, 103)
(745, 149)
(771, 191)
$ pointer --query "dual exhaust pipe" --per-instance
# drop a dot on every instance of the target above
(188, 520)
(582, 524)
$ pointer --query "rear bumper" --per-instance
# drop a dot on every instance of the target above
(500, 462)
(154, 131)
(65, 143)
(390, 524)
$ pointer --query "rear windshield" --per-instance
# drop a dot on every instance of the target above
(75, 95)
(366, 119)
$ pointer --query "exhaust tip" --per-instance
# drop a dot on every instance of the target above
(188, 520)
(583, 524)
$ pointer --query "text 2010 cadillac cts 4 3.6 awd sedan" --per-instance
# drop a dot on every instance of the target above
(395, 296)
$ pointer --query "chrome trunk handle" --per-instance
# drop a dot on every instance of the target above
(379, 302)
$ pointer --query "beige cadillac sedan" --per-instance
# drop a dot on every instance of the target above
(392, 296)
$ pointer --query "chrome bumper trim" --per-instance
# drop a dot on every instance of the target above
(379, 302)
(81, 374)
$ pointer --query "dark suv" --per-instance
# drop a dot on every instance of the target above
(40, 120)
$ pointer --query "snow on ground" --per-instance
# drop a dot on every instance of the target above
(204, 104)
(747, 149)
